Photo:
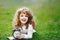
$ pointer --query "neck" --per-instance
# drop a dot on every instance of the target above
(22, 24)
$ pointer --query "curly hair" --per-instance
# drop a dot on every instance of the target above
(16, 20)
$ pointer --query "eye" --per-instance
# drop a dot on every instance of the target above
(26, 16)
(21, 15)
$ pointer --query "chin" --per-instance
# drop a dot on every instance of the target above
(23, 22)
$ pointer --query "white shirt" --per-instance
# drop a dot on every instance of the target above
(29, 31)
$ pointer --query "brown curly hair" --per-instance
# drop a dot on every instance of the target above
(16, 20)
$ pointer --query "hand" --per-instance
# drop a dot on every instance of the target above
(20, 36)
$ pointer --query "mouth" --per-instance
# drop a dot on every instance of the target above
(23, 19)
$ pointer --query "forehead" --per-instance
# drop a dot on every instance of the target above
(24, 12)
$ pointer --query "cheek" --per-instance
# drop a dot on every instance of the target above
(21, 18)
(26, 18)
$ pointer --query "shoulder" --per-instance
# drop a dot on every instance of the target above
(31, 28)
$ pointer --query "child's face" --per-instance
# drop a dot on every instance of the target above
(23, 18)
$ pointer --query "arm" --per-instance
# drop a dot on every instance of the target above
(29, 32)
(16, 31)
(28, 35)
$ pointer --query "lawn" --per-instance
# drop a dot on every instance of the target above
(46, 14)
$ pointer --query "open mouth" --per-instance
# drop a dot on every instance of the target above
(23, 19)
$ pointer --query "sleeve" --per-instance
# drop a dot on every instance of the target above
(29, 32)
(16, 31)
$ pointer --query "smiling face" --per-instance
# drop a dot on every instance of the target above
(23, 18)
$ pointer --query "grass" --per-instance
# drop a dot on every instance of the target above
(47, 19)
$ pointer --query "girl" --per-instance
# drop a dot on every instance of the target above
(24, 25)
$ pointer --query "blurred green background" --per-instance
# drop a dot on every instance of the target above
(46, 14)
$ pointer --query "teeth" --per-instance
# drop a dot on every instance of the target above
(23, 20)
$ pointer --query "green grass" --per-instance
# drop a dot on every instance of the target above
(47, 18)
